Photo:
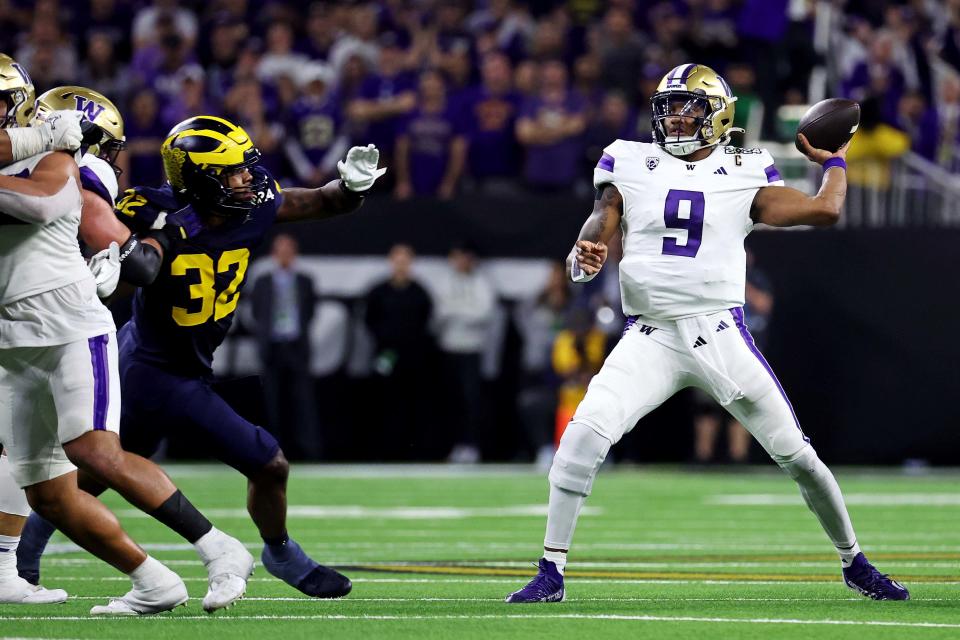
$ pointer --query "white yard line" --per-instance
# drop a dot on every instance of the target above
(567, 616)
(479, 547)
(511, 580)
(859, 499)
(315, 601)
(769, 564)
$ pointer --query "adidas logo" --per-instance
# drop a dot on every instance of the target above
(700, 342)
(723, 325)
(721, 171)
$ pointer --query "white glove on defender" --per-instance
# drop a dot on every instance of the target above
(105, 266)
(58, 131)
(359, 171)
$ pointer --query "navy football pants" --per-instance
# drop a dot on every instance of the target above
(156, 404)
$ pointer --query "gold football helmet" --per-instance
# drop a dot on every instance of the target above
(97, 109)
(198, 155)
(16, 89)
(693, 91)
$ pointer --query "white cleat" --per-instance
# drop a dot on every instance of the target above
(227, 574)
(16, 590)
(146, 602)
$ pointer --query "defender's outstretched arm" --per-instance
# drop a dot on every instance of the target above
(787, 207)
(358, 172)
(590, 251)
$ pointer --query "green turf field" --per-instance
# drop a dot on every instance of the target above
(659, 553)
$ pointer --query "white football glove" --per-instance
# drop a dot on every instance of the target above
(105, 266)
(62, 130)
(359, 171)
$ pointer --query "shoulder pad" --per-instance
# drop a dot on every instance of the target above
(140, 207)
(97, 175)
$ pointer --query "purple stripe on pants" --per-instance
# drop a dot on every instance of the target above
(737, 313)
(631, 320)
(101, 380)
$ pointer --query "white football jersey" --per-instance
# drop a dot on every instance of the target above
(683, 225)
(47, 294)
(35, 258)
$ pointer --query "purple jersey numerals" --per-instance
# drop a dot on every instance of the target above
(693, 223)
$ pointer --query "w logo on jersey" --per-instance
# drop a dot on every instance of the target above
(89, 108)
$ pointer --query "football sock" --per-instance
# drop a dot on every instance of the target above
(848, 554)
(284, 558)
(36, 534)
(822, 494)
(558, 558)
(180, 515)
(210, 545)
(8, 557)
(148, 575)
(562, 513)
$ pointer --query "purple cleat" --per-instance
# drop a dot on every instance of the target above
(546, 587)
(863, 577)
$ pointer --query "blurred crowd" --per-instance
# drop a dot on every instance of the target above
(488, 95)
(430, 337)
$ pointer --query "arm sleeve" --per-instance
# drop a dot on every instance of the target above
(139, 262)
(41, 210)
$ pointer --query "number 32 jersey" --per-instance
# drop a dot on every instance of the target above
(180, 319)
(683, 225)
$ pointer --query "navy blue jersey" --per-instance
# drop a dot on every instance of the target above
(181, 319)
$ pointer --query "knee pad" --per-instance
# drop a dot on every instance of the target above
(801, 464)
(581, 452)
(13, 500)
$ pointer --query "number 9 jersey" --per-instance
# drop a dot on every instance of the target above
(182, 317)
(683, 225)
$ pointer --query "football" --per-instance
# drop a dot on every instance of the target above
(829, 124)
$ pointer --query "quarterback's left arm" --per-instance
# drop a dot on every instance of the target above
(786, 207)
(357, 174)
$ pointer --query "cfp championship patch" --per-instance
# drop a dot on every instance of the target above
(652, 162)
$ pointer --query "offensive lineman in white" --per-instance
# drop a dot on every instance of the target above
(140, 481)
(58, 367)
(685, 205)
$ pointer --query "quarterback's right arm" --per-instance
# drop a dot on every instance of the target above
(51, 191)
(590, 251)
(786, 207)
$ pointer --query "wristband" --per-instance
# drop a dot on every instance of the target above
(26, 142)
(835, 162)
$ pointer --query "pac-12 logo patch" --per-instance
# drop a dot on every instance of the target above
(652, 162)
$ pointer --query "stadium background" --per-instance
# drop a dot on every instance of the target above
(863, 332)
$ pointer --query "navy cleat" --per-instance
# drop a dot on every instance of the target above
(324, 582)
(546, 587)
(287, 561)
(863, 577)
